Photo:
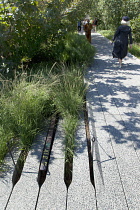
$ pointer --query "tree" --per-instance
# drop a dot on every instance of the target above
(30, 27)
(110, 12)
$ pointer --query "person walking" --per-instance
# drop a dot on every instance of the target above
(79, 25)
(95, 24)
(120, 39)
(87, 29)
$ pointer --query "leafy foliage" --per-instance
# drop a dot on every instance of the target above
(32, 28)
(135, 24)
(135, 50)
(110, 12)
(70, 49)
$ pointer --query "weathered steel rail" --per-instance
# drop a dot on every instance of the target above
(44, 163)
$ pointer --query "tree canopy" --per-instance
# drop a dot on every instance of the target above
(30, 27)
(110, 12)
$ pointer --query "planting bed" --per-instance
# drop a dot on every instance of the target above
(40, 182)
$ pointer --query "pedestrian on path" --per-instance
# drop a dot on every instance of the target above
(95, 24)
(121, 40)
(79, 25)
(87, 29)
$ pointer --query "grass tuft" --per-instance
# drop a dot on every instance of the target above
(24, 104)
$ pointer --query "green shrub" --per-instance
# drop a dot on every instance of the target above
(107, 33)
(135, 50)
(135, 24)
(74, 48)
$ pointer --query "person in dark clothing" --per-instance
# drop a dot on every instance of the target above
(79, 25)
(95, 24)
(121, 40)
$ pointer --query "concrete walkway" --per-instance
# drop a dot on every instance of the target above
(113, 109)
(114, 114)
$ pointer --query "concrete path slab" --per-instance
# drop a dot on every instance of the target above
(109, 190)
(81, 193)
(6, 177)
(114, 110)
(53, 191)
(25, 192)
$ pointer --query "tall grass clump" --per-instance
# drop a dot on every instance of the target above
(69, 91)
(74, 48)
(69, 125)
(68, 99)
(4, 137)
(24, 104)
